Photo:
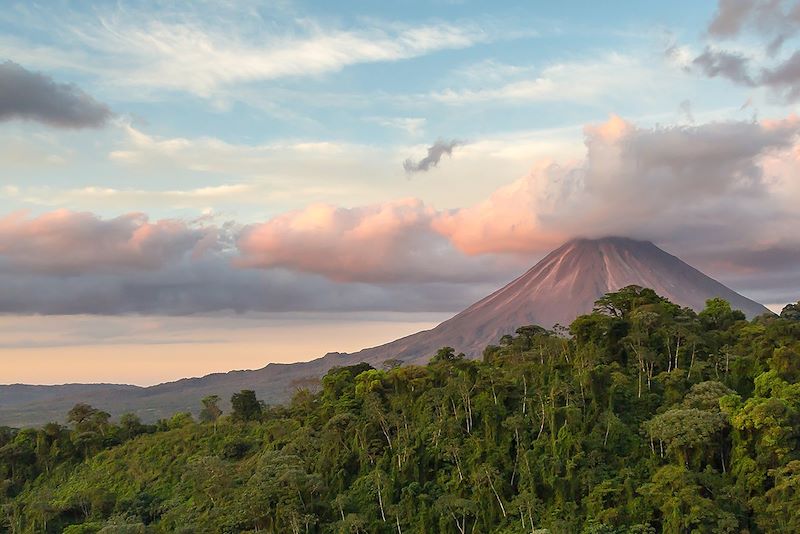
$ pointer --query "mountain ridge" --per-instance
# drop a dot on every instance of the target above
(558, 288)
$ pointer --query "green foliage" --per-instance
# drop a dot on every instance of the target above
(646, 418)
(791, 312)
(246, 407)
(211, 410)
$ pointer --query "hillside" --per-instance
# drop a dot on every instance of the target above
(650, 418)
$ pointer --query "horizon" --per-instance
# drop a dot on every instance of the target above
(193, 189)
(380, 336)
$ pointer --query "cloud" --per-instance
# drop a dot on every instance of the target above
(777, 20)
(730, 17)
(194, 59)
(26, 95)
(391, 242)
(180, 50)
(566, 81)
(411, 125)
(710, 180)
(705, 190)
(785, 78)
(375, 258)
(435, 153)
(63, 242)
(723, 195)
(181, 176)
(210, 284)
(773, 23)
(732, 66)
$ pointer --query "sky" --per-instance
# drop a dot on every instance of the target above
(190, 187)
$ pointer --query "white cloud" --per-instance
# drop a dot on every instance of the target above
(411, 125)
(249, 181)
(191, 54)
(577, 81)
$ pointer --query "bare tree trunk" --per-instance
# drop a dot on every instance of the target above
(669, 355)
(497, 495)
(524, 393)
(380, 502)
(462, 525)
(541, 427)
(458, 466)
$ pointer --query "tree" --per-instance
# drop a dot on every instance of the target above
(131, 426)
(446, 354)
(620, 303)
(209, 477)
(791, 312)
(211, 410)
(392, 363)
(689, 433)
(683, 503)
(719, 314)
(778, 510)
(246, 407)
(86, 418)
(786, 362)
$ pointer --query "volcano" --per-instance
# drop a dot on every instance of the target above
(562, 286)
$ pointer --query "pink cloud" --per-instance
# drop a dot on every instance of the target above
(722, 195)
(67, 242)
(647, 182)
(683, 184)
(389, 242)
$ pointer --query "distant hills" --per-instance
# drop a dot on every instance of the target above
(556, 290)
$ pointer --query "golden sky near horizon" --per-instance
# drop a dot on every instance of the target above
(170, 350)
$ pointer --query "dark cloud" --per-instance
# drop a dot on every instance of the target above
(212, 284)
(759, 259)
(772, 21)
(730, 17)
(33, 96)
(732, 66)
(435, 153)
(785, 78)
